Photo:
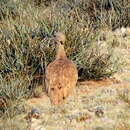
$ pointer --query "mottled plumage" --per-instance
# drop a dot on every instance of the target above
(61, 74)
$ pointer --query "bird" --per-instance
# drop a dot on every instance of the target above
(61, 75)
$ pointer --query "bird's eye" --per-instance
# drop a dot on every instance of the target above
(61, 42)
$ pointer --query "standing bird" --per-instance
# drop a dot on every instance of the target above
(61, 74)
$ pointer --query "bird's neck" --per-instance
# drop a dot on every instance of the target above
(60, 54)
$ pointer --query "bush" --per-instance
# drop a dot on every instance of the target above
(8, 9)
(13, 92)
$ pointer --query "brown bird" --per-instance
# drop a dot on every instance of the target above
(61, 74)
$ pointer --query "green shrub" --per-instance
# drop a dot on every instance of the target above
(8, 8)
(13, 92)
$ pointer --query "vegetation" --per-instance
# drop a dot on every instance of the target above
(26, 42)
